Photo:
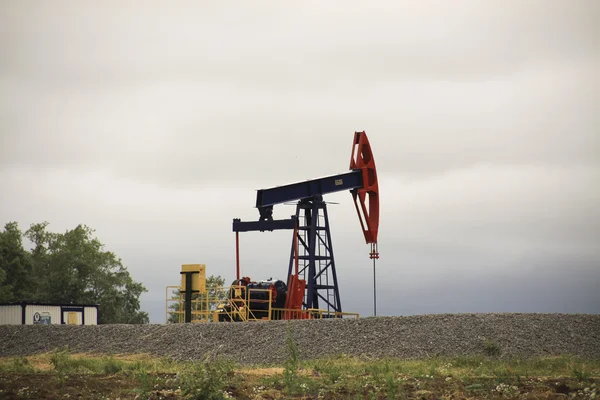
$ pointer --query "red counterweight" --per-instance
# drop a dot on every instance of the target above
(366, 199)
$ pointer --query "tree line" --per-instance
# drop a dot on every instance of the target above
(69, 267)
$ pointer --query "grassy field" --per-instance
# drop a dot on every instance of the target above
(63, 375)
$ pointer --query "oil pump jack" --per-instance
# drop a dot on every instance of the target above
(312, 281)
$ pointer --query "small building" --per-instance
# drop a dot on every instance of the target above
(27, 313)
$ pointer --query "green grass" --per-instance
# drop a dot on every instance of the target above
(20, 365)
(332, 377)
(476, 366)
(332, 369)
(62, 361)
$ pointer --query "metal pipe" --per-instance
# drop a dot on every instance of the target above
(188, 297)
(374, 255)
(374, 291)
(237, 255)
(296, 247)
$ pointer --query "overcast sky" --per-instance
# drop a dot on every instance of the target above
(154, 123)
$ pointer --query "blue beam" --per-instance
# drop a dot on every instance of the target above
(273, 225)
(303, 190)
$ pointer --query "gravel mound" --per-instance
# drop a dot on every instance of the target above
(422, 336)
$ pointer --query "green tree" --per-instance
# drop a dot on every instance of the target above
(216, 295)
(74, 267)
(5, 290)
(214, 287)
(16, 280)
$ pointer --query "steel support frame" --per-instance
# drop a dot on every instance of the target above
(317, 267)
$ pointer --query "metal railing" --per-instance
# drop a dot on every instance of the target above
(237, 303)
(175, 300)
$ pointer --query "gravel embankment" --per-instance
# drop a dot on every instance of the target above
(523, 335)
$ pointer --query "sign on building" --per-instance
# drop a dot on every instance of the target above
(42, 318)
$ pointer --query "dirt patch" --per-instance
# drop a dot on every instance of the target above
(271, 371)
(262, 371)
(42, 386)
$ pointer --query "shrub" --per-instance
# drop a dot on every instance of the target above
(111, 366)
(290, 372)
(491, 348)
(206, 380)
(60, 359)
(580, 373)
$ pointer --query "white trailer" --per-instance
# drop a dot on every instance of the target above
(43, 313)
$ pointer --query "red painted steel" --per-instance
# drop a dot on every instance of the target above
(366, 199)
(294, 297)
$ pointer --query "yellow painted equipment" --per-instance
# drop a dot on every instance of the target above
(198, 279)
(210, 306)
